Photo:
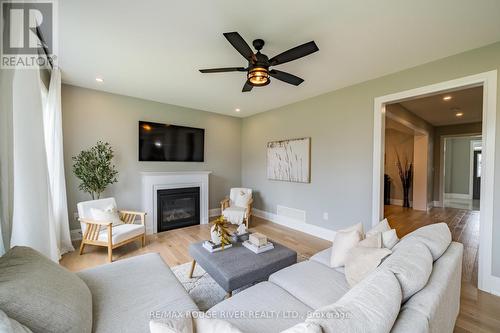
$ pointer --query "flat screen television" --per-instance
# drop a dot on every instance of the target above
(164, 142)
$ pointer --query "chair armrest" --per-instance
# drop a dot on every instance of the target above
(224, 204)
(93, 229)
(129, 216)
(249, 207)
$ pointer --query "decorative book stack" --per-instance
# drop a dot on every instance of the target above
(212, 247)
(258, 243)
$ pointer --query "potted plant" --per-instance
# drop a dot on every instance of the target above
(219, 232)
(406, 177)
(94, 168)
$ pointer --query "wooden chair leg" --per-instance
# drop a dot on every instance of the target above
(143, 240)
(193, 264)
(82, 246)
(110, 253)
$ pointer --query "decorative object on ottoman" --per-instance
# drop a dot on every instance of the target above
(258, 249)
(257, 239)
(219, 233)
(242, 233)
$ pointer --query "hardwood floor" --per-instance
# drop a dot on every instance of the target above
(173, 245)
(479, 311)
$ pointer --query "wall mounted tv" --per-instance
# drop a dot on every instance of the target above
(163, 142)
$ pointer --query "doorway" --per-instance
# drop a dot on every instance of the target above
(487, 80)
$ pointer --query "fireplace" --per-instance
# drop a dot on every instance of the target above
(178, 207)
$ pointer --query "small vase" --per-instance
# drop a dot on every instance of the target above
(215, 237)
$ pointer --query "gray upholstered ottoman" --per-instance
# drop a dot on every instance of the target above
(237, 266)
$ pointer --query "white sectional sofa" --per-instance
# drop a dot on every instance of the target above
(425, 264)
(415, 289)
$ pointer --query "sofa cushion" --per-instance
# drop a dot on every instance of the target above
(370, 306)
(42, 295)
(323, 257)
(304, 328)
(122, 232)
(9, 325)
(128, 293)
(263, 308)
(412, 265)
(438, 303)
(437, 237)
(312, 283)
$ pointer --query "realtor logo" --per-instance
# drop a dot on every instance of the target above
(27, 34)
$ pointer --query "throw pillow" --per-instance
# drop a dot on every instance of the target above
(343, 242)
(389, 238)
(361, 261)
(372, 241)
(242, 199)
(110, 214)
(380, 227)
(42, 295)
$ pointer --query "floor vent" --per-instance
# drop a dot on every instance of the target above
(296, 215)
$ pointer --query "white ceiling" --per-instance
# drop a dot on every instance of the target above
(153, 49)
(439, 112)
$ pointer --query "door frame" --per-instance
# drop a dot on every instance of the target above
(473, 145)
(486, 280)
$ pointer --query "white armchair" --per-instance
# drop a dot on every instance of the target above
(103, 225)
(237, 209)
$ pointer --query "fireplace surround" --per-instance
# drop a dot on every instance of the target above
(152, 182)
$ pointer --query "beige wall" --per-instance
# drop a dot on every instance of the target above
(89, 116)
(403, 144)
(340, 124)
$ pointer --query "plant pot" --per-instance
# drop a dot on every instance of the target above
(214, 236)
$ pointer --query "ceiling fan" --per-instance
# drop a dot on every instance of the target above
(258, 73)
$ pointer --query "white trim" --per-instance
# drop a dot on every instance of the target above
(486, 280)
(437, 204)
(75, 234)
(310, 229)
(457, 196)
(214, 212)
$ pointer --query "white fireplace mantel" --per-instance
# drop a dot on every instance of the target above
(152, 182)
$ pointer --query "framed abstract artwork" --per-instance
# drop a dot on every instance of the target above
(289, 160)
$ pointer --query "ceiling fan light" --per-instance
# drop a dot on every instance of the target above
(258, 76)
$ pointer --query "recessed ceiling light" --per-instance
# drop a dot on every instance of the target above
(446, 98)
(459, 114)
(237, 110)
(99, 79)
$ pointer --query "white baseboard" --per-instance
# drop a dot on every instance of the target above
(76, 234)
(310, 229)
(214, 212)
(457, 196)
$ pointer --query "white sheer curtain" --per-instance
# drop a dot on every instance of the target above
(52, 125)
(39, 217)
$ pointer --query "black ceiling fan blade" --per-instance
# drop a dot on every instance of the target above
(222, 70)
(247, 87)
(240, 45)
(295, 53)
(286, 77)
